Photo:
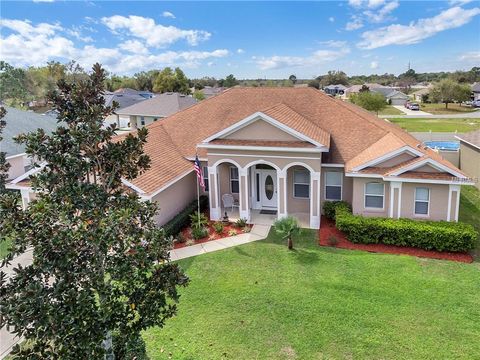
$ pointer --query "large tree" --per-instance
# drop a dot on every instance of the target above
(100, 265)
(4, 165)
(333, 78)
(13, 85)
(369, 100)
(230, 81)
(448, 91)
(171, 80)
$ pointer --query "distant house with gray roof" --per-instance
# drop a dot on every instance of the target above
(19, 122)
(476, 91)
(156, 108)
(393, 97)
(123, 100)
(336, 89)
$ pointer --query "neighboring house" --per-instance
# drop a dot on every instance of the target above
(123, 100)
(355, 89)
(209, 91)
(132, 92)
(419, 95)
(286, 151)
(392, 96)
(470, 155)
(476, 91)
(19, 122)
(335, 89)
(156, 108)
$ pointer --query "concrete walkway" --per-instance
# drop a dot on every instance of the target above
(258, 232)
(410, 112)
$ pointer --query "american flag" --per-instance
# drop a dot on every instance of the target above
(198, 170)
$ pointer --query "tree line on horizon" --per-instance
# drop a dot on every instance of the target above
(20, 86)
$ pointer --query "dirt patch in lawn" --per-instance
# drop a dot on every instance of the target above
(329, 235)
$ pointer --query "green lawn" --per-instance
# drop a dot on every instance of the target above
(437, 125)
(438, 109)
(261, 301)
(470, 210)
(4, 245)
(390, 110)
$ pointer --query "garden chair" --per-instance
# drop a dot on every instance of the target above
(229, 201)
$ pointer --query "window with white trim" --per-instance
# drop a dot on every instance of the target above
(422, 200)
(374, 195)
(142, 120)
(301, 184)
(234, 180)
(205, 177)
(333, 185)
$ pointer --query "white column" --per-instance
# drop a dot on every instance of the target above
(243, 193)
(395, 185)
(315, 200)
(451, 189)
(281, 194)
(25, 198)
(213, 194)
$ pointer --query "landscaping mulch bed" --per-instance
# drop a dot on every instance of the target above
(328, 229)
(212, 235)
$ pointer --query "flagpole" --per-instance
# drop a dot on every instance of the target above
(198, 202)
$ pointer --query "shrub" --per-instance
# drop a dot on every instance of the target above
(240, 223)
(198, 220)
(199, 232)
(218, 227)
(180, 238)
(329, 208)
(232, 232)
(428, 235)
(246, 229)
(182, 219)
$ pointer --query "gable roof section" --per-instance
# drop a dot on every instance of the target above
(472, 138)
(287, 120)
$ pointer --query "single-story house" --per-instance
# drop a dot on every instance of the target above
(132, 92)
(285, 151)
(393, 97)
(334, 90)
(470, 155)
(123, 100)
(476, 91)
(156, 108)
(209, 91)
(420, 94)
(18, 122)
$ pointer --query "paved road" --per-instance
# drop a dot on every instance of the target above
(410, 112)
(466, 115)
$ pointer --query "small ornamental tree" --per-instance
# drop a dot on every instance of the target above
(288, 228)
(369, 100)
(100, 265)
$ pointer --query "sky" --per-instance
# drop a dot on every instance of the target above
(247, 39)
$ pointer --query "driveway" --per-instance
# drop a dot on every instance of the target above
(410, 112)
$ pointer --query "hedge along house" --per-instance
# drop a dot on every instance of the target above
(284, 151)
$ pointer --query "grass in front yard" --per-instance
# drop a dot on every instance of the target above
(4, 245)
(261, 301)
(439, 109)
(437, 125)
(390, 110)
(469, 211)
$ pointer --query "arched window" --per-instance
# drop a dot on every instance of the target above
(374, 195)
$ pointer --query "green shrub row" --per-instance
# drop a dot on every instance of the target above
(428, 235)
(182, 219)
(329, 208)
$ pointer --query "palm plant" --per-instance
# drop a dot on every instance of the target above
(287, 227)
(199, 220)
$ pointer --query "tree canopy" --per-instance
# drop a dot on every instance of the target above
(369, 100)
(447, 91)
(101, 267)
(169, 80)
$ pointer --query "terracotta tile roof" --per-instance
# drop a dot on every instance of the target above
(426, 175)
(295, 121)
(267, 143)
(352, 130)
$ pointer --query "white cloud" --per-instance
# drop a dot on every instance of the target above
(374, 65)
(471, 56)
(382, 14)
(29, 45)
(155, 35)
(413, 33)
(331, 19)
(355, 24)
(334, 43)
(240, 51)
(317, 58)
(459, 2)
(168, 14)
(133, 46)
(355, 3)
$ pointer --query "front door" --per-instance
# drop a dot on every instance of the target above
(268, 188)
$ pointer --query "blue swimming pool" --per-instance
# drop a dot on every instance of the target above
(443, 145)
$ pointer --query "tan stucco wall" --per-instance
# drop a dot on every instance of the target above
(17, 166)
(347, 186)
(470, 162)
(358, 203)
(175, 198)
(438, 201)
(136, 121)
(280, 159)
(452, 156)
(296, 205)
(224, 179)
(261, 130)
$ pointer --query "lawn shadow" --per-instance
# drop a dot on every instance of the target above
(186, 263)
(239, 250)
(303, 256)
